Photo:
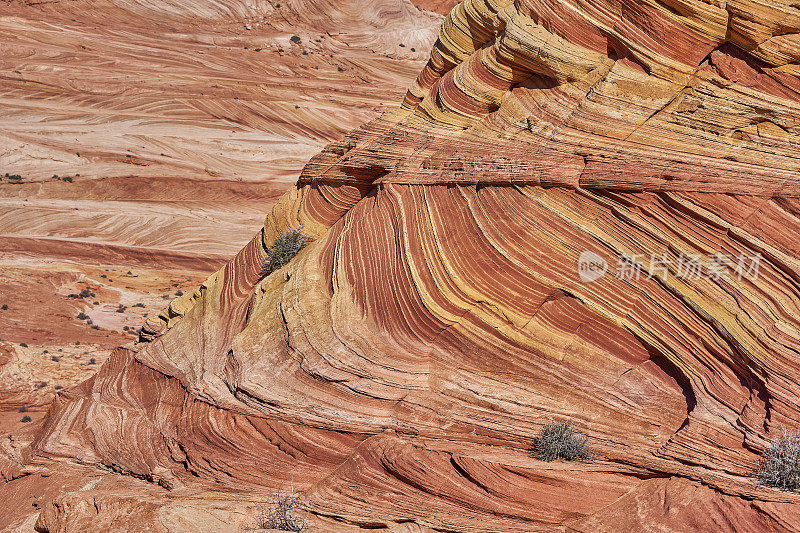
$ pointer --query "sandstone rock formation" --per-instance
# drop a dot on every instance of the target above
(399, 368)
(153, 136)
(437, 6)
(150, 138)
(172, 128)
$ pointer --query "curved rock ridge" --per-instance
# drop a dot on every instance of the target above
(400, 367)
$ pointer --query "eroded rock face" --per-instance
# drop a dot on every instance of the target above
(399, 368)
(151, 137)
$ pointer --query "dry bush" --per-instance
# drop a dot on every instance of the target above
(780, 463)
(560, 440)
(285, 246)
(281, 515)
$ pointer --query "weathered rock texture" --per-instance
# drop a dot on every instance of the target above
(150, 138)
(153, 136)
(400, 367)
(438, 6)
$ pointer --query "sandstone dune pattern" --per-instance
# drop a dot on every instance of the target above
(399, 368)
(161, 113)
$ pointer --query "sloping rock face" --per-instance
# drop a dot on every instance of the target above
(399, 368)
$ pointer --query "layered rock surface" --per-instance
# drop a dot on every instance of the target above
(399, 368)
(151, 137)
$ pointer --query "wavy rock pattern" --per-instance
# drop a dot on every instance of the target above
(400, 367)
(151, 137)
(160, 112)
(438, 6)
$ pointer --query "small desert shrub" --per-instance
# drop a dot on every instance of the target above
(23, 409)
(92, 361)
(26, 418)
(780, 463)
(55, 358)
(82, 316)
(560, 440)
(281, 515)
(24, 344)
(4, 307)
(41, 385)
(286, 245)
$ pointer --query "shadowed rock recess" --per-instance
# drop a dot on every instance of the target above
(398, 369)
